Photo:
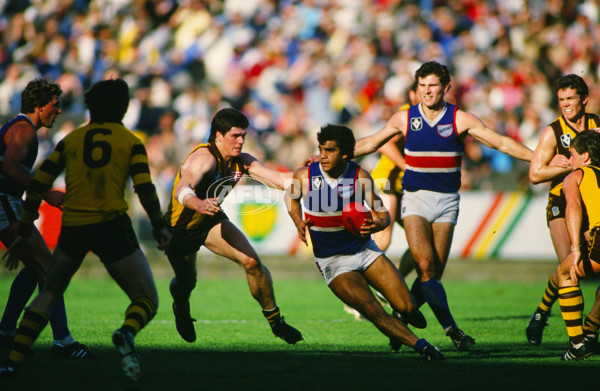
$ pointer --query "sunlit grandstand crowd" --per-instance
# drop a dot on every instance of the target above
(294, 65)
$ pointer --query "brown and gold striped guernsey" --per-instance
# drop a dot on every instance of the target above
(564, 134)
(217, 184)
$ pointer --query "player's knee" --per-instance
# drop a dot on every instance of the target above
(405, 305)
(426, 268)
(185, 281)
(252, 265)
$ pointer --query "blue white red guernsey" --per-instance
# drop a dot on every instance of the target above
(433, 151)
(323, 205)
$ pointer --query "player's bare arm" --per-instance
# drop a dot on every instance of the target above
(542, 167)
(293, 195)
(573, 216)
(197, 166)
(391, 151)
(381, 217)
(469, 123)
(270, 177)
(18, 139)
(396, 126)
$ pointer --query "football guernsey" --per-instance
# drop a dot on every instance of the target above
(323, 205)
(589, 187)
(564, 134)
(219, 184)
(433, 151)
(98, 160)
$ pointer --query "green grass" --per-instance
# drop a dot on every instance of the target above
(235, 349)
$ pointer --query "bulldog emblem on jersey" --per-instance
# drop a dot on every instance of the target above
(345, 191)
(565, 140)
(444, 130)
(416, 123)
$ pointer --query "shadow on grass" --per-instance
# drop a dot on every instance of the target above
(489, 367)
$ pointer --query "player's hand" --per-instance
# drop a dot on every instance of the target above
(310, 160)
(209, 206)
(163, 237)
(573, 260)
(302, 226)
(14, 253)
(370, 226)
(560, 160)
(55, 198)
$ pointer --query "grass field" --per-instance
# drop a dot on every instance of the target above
(235, 349)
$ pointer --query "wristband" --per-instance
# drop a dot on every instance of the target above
(183, 193)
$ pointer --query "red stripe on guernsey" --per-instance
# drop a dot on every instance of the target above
(323, 220)
(433, 161)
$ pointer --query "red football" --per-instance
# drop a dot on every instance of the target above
(354, 215)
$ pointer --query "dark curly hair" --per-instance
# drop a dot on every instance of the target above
(434, 68)
(572, 81)
(38, 93)
(340, 134)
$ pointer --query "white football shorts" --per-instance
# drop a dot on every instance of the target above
(333, 266)
(433, 206)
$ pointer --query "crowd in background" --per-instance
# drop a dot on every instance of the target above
(294, 65)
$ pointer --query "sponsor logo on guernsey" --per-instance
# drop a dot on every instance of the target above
(416, 124)
(236, 175)
(317, 182)
(565, 140)
(444, 130)
(345, 191)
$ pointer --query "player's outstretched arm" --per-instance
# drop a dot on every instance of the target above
(268, 176)
(293, 195)
(396, 126)
(469, 123)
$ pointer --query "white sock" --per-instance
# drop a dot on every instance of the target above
(68, 340)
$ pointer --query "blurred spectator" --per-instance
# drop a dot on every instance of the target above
(295, 65)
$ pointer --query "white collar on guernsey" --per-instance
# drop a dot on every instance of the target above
(333, 182)
(437, 119)
(27, 118)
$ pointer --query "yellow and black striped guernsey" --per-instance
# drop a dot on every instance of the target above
(98, 159)
(589, 187)
(564, 134)
(218, 184)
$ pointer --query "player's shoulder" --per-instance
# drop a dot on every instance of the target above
(200, 157)
(301, 171)
(362, 173)
(547, 137)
